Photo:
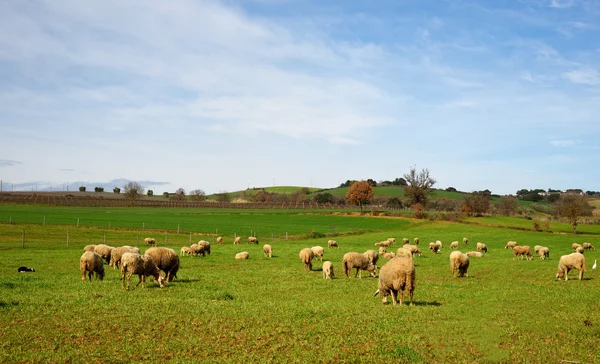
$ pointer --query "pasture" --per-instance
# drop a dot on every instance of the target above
(271, 310)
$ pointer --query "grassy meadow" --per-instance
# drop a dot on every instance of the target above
(271, 310)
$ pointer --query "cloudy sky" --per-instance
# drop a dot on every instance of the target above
(225, 95)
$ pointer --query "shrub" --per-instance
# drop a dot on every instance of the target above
(418, 211)
(536, 225)
(81, 188)
(98, 189)
(150, 193)
(116, 190)
(166, 194)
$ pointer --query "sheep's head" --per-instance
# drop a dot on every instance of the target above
(161, 280)
(373, 270)
(559, 274)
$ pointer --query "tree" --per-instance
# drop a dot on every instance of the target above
(197, 195)
(133, 191)
(360, 193)
(116, 190)
(399, 182)
(261, 196)
(572, 207)
(81, 188)
(222, 197)
(419, 186)
(507, 205)
(477, 203)
(150, 193)
(394, 202)
(325, 197)
(372, 182)
(451, 189)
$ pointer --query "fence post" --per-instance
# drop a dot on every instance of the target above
(77, 222)
(22, 238)
(67, 238)
(286, 236)
(177, 228)
(10, 220)
(44, 221)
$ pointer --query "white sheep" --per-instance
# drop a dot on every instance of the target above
(579, 250)
(403, 252)
(306, 256)
(392, 240)
(389, 255)
(186, 250)
(104, 251)
(382, 250)
(237, 240)
(166, 259)
(459, 263)
(574, 246)
(268, 250)
(150, 241)
(242, 256)
(537, 248)
(416, 241)
(359, 262)
(396, 277)
(405, 241)
(143, 266)
(91, 262)
(318, 251)
(413, 249)
(328, 270)
(588, 246)
(372, 255)
(510, 245)
(465, 241)
(544, 253)
(220, 240)
(482, 247)
(252, 240)
(384, 243)
(434, 247)
(205, 246)
(117, 253)
(332, 244)
(454, 244)
(474, 254)
(89, 248)
(568, 262)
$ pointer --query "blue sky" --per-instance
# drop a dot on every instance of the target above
(225, 95)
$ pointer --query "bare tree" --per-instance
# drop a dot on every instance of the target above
(572, 207)
(198, 195)
(360, 193)
(419, 186)
(507, 205)
(133, 191)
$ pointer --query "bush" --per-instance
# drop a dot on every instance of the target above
(116, 190)
(150, 193)
(98, 189)
(536, 226)
(166, 194)
(418, 211)
(81, 188)
(314, 235)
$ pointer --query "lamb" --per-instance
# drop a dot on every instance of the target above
(385, 243)
(89, 248)
(522, 251)
(416, 241)
(328, 270)
(413, 249)
(237, 240)
(372, 255)
(150, 241)
(510, 245)
(117, 253)
(475, 254)
(382, 250)
(252, 240)
(568, 262)
(104, 251)
(318, 251)
(143, 266)
(166, 259)
(360, 262)
(574, 246)
(544, 253)
(588, 246)
(482, 247)
(465, 241)
(405, 253)
(220, 240)
(579, 250)
(459, 263)
(268, 250)
(186, 251)
(389, 255)
(454, 245)
(405, 241)
(91, 262)
(332, 244)
(242, 256)
(306, 256)
(396, 277)
(205, 247)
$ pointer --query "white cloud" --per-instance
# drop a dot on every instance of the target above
(561, 4)
(585, 76)
(564, 143)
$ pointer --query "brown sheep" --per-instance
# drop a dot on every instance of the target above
(166, 259)
(91, 262)
(522, 251)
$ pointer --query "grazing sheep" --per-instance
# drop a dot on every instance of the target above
(382, 250)
(403, 252)
(474, 254)
(306, 256)
(237, 240)
(166, 259)
(143, 266)
(574, 246)
(220, 240)
(389, 255)
(359, 262)
(205, 247)
(522, 251)
(89, 248)
(385, 243)
(465, 241)
(396, 277)
(328, 270)
(588, 246)
(413, 249)
(537, 248)
(332, 244)
(579, 250)
(439, 243)
(91, 262)
(104, 251)
(372, 255)
(242, 256)
(186, 251)
(392, 240)
(405, 241)
(197, 249)
(544, 253)
(510, 245)
(117, 253)
(268, 250)
(459, 263)
(252, 240)
(568, 262)
(435, 247)
(454, 245)
(150, 241)
(416, 241)
(318, 251)
(482, 247)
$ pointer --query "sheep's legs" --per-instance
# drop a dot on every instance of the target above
(581, 274)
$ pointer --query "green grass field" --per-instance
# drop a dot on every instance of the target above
(271, 310)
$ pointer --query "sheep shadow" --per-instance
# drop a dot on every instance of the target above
(187, 280)
(424, 303)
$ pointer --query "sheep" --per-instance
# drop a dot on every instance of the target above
(150, 241)
(328, 270)
(544, 253)
(439, 243)
(396, 277)
(389, 255)
(104, 251)
(143, 266)
(237, 240)
(385, 243)
(382, 250)
(416, 241)
(482, 247)
(459, 263)
(91, 262)
(220, 240)
(579, 250)
(166, 259)
(252, 240)
(568, 262)
(588, 246)
(197, 249)
(360, 262)
(522, 251)
(574, 246)
(117, 253)
(205, 247)
(405, 241)
(318, 251)
(435, 247)
(372, 255)
(454, 245)
(186, 250)
(537, 248)
(306, 256)
(510, 245)
(465, 241)
(332, 244)
(89, 248)
(242, 256)
(475, 254)
(268, 250)
(392, 240)
(403, 252)
(413, 249)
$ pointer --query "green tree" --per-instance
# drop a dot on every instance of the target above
(116, 190)
(360, 193)
(419, 186)
(572, 207)
(150, 193)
